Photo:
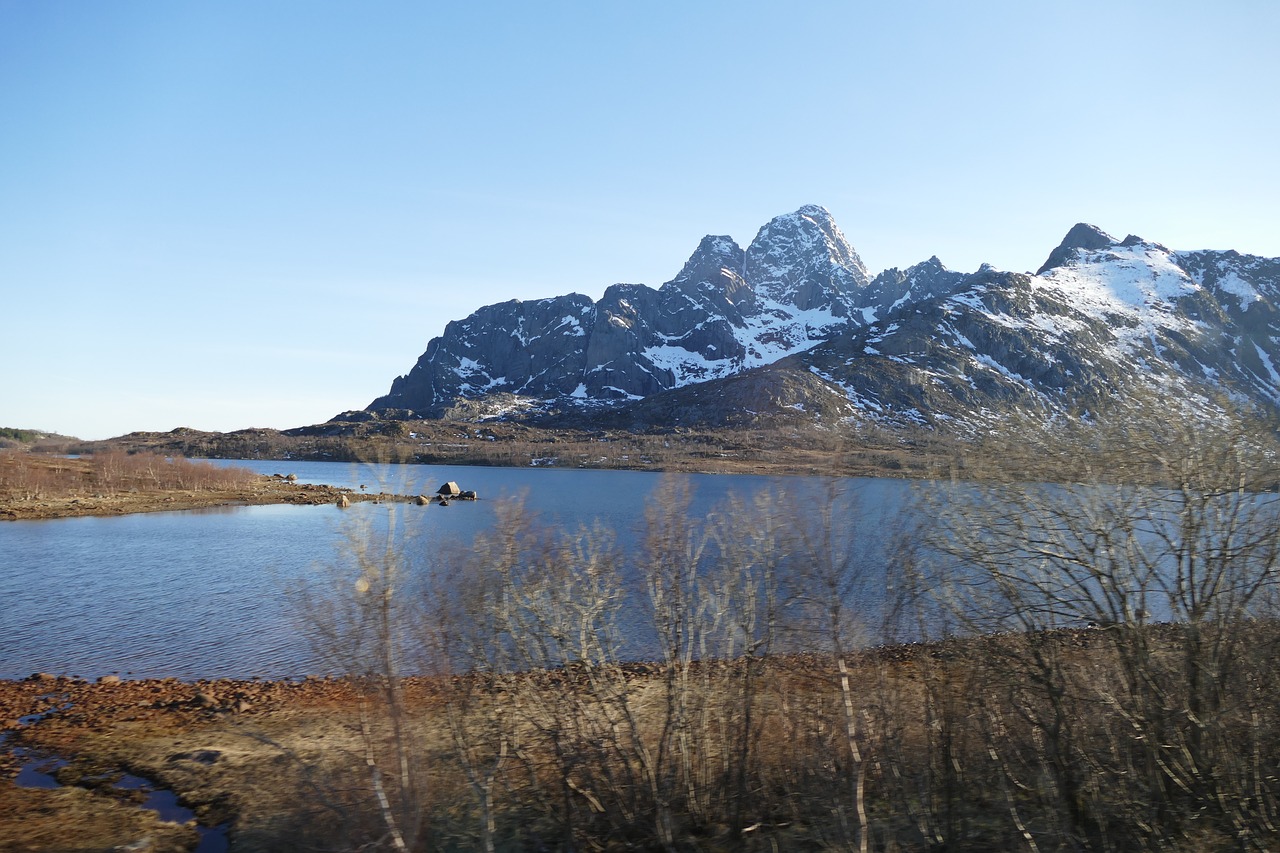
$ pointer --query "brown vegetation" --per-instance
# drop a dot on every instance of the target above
(798, 449)
(29, 476)
(36, 485)
(1154, 730)
(950, 736)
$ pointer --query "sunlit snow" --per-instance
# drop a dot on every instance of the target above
(1233, 284)
(1138, 283)
(1266, 362)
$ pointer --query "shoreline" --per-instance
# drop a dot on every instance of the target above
(203, 742)
(265, 490)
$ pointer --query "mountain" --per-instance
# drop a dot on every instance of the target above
(793, 326)
(796, 285)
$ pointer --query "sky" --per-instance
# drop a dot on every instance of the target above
(258, 213)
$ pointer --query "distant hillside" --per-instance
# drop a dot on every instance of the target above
(12, 437)
(799, 449)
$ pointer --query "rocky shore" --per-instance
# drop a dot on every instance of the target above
(219, 746)
(285, 765)
(243, 755)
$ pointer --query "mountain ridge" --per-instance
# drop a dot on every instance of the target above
(924, 346)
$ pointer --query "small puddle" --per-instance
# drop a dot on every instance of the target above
(162, 801)
(37, 771)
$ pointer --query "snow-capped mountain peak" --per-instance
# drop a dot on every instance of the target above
(803, 259)
(925, 345)
(1081, 236)
(1138, 275)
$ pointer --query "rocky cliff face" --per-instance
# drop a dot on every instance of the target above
(796, 323)
(796, 285)
(1103, 317)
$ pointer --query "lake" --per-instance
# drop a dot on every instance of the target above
(205, 593)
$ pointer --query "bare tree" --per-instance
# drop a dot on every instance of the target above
(833, 579)
(1137, 721)
(671, 567)
(754, 550)
(356, 615)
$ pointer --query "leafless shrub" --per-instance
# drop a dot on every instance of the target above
(1138, 738)
(768, 716)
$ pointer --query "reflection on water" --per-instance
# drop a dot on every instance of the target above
(202, 594)
(224, 509)
(36, 771)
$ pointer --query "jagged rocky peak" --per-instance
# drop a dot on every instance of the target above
(718, 260)
(713, 254)
(930, 270)
(895, 287)
(803, 259)
(711, 280)
(1081, 236)
(929, 267)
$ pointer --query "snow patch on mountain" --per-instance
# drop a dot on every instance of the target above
(1122, 279)
(1268, 365)
(1229, 281)
(779, 330)
(1133, 289)
(688, 366)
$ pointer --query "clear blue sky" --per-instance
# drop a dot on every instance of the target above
(234, 214)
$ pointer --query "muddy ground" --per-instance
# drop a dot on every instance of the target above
(235, 752)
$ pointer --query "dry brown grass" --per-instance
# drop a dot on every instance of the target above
(943, 729)
(28, 476)
(35, 486)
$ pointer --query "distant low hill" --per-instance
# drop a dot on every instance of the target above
(798, 449)
(13, 437)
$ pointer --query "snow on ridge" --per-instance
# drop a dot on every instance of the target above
(1122, 277)
(857, 400)
(790, 243)
(469, 367)
(625, 394)
(774, 332)
(688, 367)
(1233, 284)
(723, 245)
(1053, 326)
(991, 363)
(960, 338)
(1139, 283)
(779, 330)
(575, 327)
(884, 333)
(1267, 363)
(969, 299)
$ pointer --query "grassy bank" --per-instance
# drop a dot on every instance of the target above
(35, 486)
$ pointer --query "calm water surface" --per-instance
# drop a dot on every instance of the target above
(203, 593)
